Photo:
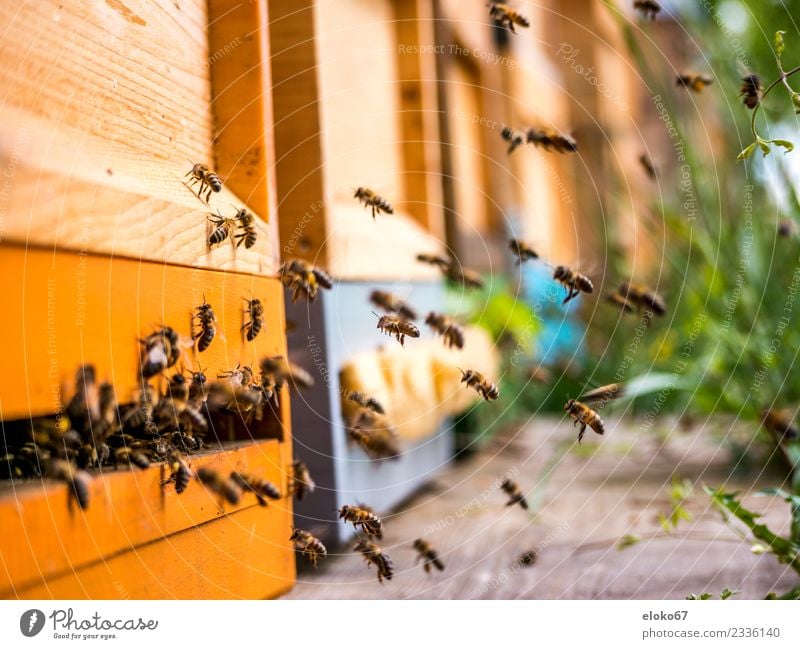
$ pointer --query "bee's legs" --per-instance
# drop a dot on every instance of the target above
(581, 432)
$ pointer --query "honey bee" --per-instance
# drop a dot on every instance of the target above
(83, 408)
(78, 481)
(392, 304)
(205, 316)
(488, 390)
(466, 277)
(225, 488)
(304, 279)
(528, 558)
(128, 455)
(695, 82)
(514, 138)
(140, 414)
(308, 545)
(253, 326)
(248, 233)
(506, 16)
(373, 555)
(223, 228)
(585, 416)
(450, 331)
(425, 551)
(751, 90)
(262, 489)
(109, 420)
(434, 260)
(197, 388)
(173, 411)
(161, 350)
(370, 524)
(619, 301)
(648, 166)
(379, 443)
(239, 377)
(181, 473)
(301, 483)
(643, 297)
(780, 423)
(515, 493)
(369, 509)
(648, 8)
(396, 326)
(522, 251)
(573, 281)
(549, 139)
(786, 228)
(367, 402)
(371, 200)
(277, 371)
(539, 374)
(208, 180)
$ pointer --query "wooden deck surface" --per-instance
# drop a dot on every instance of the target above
(590, 499)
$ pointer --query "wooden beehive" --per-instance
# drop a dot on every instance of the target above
(101, 242)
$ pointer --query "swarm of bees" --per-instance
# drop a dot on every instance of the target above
(372, 201)
(695, 82)
(507, 17)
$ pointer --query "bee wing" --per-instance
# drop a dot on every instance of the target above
(604, 393)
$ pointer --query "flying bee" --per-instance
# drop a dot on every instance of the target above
(516, 497)
(373, 555)
(225, 488)
(181, 473)
(304, 278)
(786, 228)
(751, 90)
(643, 297)
(223, 229)
(780, 423)
(514, 138)
(466, 277)
(239, 377)
(255, 310)
(78, 481)
(619, 301)
(450, 331)
(378, 441)
(506, 16)
(604, 394)
(161, 350)
(262, 489)
(277, 371)
(477, 381)
(528, 558)
(360, 516)
(208, 180)
(648, 166)
(396, 326)
(425, 551)
(539, 374)
(573, 281)
(246, 224)
(208, 321)
(128, 455)
(648, 8)
(585, 416)
(695, 82)
(371, 200)
(549, 139)
(301, 483)
(392, 304)
(434, 260)
(308, 545)
(367, 402)
(522, 251)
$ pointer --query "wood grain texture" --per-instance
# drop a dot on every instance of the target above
(107, 106)
(46, 537)
(72, 308)
(243, 555)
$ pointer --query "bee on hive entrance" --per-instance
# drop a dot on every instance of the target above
(256, 323)
(209, 181)
(207, 320)
(248, 233)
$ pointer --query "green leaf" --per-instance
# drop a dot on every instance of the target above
(747, 152)
(627, 541)
(779, 44)
(785, 144)
(701, 596)
(796, 102)
(727, 593)
(764, 147)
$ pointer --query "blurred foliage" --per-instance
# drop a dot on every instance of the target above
(678, 492)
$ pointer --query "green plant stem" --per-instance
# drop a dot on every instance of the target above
(781, 79)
